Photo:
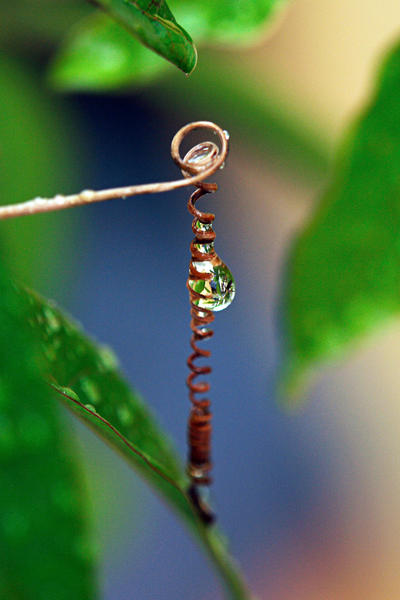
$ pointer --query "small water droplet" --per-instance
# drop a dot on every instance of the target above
(205, 248)
(91, 408)
(226, 134)
(203, 226)
(205, 330)
(222, 166)
(218, 292)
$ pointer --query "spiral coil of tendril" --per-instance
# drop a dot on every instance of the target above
(206, 157)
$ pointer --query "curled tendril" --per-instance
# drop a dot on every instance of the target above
(194, 174)
(202, 160)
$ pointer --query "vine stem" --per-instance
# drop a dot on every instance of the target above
(192, 175)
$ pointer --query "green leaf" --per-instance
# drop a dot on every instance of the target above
(152, 22)
(99, 54)
(35, 159)
(44, 546)
(87, 379)
(344, 271)
(227, 21)
(267, 123)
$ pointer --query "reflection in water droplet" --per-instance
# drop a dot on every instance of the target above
(226, 134)
(203, 226)
(205, 248)
(219, 291)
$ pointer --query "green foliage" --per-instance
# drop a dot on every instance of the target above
(265, 123)
(31, 128)
(344, 272)
(87, 379)
(153, 24)
(44, 546)
(99, 55)
(227, 21)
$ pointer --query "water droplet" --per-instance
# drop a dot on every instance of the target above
(203, 226)
(218, 292)
(91, 408)
(222, 166)
(205, 248)
(203, 154)
(226, 134)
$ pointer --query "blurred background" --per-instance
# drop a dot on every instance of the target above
(309, 501)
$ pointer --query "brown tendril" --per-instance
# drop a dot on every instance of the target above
(200, 157)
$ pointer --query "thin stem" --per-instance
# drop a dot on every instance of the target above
(194, 173)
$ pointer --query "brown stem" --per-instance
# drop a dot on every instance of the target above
(193, 174)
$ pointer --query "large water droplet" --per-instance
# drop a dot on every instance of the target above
(218, 292)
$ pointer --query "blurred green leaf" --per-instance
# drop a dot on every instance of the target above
(272, 122)
(152, 22)
(44, 546)
(227, 21)
(99, 54)
(35, 159)
(344, 271)
(33, 27)
(87, 379)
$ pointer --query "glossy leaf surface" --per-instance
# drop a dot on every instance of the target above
(343, 278)
(152, 22)
(97, 55)
(100, 54)
(227, 21)
(44, 546)
(86, 378)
